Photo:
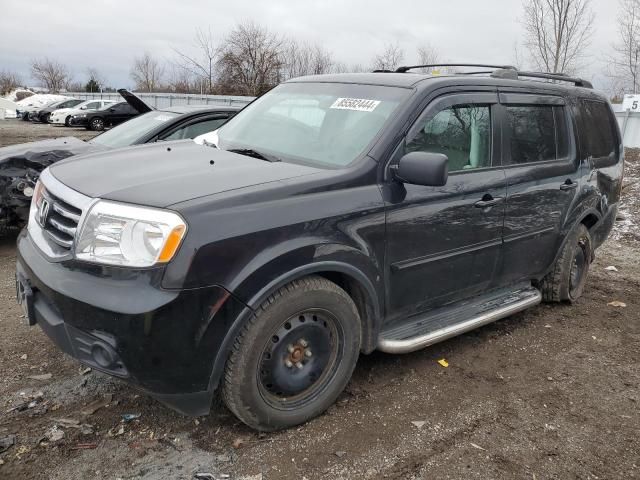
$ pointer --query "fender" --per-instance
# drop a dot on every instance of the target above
(370, 326)
(572, 225)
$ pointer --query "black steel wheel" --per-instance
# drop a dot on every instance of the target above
(97, 124)
(300, 358)
(67, 121)
(294, 358)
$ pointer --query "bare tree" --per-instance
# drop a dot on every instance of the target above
(251, 60)
(340, 67)
(390, 59)
(203, 64)
(147, 72)
(9, 81)
(427, 55)
(181, 80)
(50, 74)
(627, 49)
(306, 59)
(558, 33)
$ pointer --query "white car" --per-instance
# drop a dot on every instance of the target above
(62, 116)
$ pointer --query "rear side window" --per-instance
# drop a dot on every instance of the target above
(538, 133)
(597, 136)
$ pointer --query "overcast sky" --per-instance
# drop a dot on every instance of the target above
(108, 34)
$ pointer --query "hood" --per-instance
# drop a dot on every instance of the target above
(46, 152)
(134, 101)
(163, 174)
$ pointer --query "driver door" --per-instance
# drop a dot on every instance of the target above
(444, 243)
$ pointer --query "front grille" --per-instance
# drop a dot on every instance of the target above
(61, 221)
(54, 223)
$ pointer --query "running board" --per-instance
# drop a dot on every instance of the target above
(441, 324)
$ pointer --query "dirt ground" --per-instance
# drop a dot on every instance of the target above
(552, 392)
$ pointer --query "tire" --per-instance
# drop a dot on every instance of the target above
(568, 277)
(67, 121)
(294, 357)
(96, 124)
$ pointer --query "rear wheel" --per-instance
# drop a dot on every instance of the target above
(567, 279)
(67, 121)
(294, 357)
(96, 124)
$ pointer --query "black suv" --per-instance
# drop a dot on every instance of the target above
(334, 216)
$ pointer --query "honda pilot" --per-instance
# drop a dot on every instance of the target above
(334, 216)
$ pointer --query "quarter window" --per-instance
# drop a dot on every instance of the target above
(462, 133)
(597, 135)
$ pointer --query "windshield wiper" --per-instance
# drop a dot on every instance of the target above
(249, 152)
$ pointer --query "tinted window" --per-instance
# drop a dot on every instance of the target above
(533, 133)
(195, 129)
(462, 133)
(597, 136)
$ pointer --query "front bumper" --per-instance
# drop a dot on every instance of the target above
(122, 323)
(78, 121)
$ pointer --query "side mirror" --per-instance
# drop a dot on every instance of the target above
(422, 168)
(112, 110)
(83, 108)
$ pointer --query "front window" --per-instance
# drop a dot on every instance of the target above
(329, 124)
(130, 132)
(462, 133)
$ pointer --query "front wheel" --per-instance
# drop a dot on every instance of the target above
(97, 124)
(294, 357)
(568, 277)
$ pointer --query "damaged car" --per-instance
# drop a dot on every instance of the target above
(334, 216)
(21, 165)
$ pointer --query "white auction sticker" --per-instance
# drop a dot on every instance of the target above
(357, 104)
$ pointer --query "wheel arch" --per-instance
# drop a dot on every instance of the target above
(350, 278)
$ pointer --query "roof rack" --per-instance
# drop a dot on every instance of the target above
(504, 71)
(481, 65)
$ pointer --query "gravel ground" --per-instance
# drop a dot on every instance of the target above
(552, 392)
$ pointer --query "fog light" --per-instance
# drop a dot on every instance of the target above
(103, 355)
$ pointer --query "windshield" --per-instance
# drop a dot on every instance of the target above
(132, 130)
(321, 123)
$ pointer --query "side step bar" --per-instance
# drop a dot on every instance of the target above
(517, 302)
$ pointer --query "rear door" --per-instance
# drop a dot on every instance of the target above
(443, 243)
(542, 170)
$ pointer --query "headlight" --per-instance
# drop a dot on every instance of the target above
(128, 235)
(80, 115)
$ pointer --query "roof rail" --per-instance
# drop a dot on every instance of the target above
(482, 65)
(503, 71)
(561, 77)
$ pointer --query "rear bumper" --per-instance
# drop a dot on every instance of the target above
(122, 323)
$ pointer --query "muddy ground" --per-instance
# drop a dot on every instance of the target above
(552, 392)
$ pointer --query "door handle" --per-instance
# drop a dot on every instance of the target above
(489, 202)
(568, 185)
